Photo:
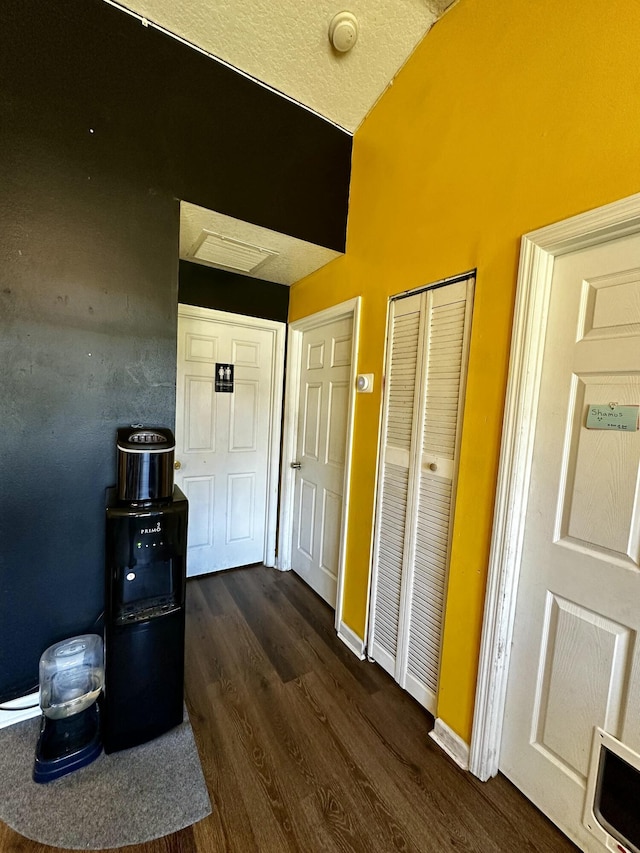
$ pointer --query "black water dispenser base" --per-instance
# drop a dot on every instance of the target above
(144, 681)
(67, 744)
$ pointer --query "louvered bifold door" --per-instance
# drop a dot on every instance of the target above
(426, 366)
(399, 437)
(446, 332)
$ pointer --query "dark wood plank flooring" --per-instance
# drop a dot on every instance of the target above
(305, 748)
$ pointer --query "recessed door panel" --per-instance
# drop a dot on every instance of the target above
(611, 305)
(306, 518)
(199, 415)
(330, 542)
(341, 351)
(200, 493)
(201, 348)
(337, 423)
(244, 414)
(315, 355)
(311, 414)
(240, 507)
(245, 353)
(598, 507)
(583, 655)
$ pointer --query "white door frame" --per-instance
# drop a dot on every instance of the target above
(275, 421)
(351, 308)
(538, 253)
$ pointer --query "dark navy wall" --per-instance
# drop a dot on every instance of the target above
(209, 287)
(104, 124)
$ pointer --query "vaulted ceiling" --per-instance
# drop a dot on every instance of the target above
(285, 45)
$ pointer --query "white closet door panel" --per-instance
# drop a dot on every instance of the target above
(398, 431)
(445, 354)
(404, 339)
(428, 584)
(390, 560)
(426, 578)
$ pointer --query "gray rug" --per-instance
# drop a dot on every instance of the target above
(125, 798)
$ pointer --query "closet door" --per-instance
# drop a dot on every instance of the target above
(399, 438)
(417, 509)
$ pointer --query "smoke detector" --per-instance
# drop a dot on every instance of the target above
(343, 31)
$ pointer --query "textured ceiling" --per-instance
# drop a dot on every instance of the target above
(285, 44)
(295, 258)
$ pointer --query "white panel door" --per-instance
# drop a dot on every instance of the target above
(224, 440)
(321, 440)
(575, 662)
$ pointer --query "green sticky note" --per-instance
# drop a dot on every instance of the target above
(610, 416)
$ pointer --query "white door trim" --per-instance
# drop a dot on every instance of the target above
(539, 250)
(275, 418)
(351, 308)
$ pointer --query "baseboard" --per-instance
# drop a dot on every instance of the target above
(451, 743)
(351, 640)
(21, 712)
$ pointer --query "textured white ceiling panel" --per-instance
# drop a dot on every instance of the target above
(285, 44)
(295, 258)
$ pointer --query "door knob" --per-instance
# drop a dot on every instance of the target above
(433, 467)
(177, 465)
(296, 465)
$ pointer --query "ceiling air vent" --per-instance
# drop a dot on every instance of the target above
(221, 251)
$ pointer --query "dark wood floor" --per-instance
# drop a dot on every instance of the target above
(305, 748)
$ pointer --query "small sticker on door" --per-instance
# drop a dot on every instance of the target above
(224, 378)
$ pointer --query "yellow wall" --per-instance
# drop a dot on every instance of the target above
(509, 116)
